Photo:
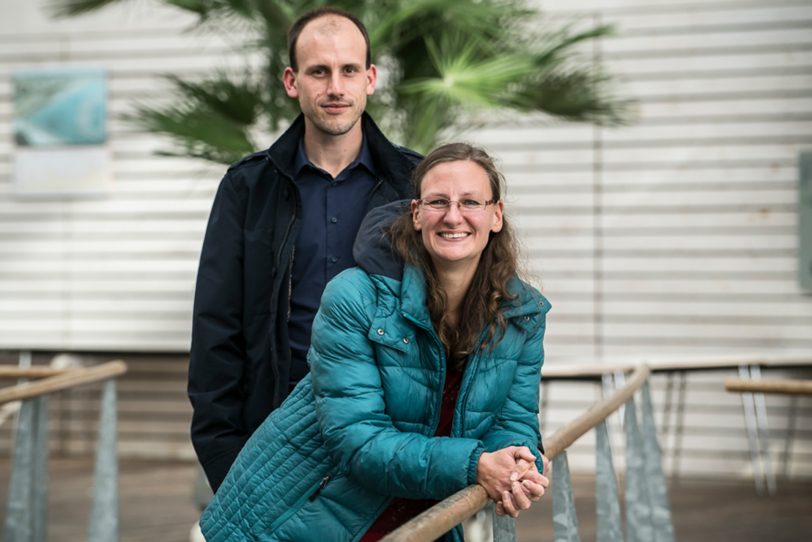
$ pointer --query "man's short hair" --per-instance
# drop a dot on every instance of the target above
(299, 24)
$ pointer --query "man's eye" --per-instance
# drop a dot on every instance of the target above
(471, 204)
(438, 203)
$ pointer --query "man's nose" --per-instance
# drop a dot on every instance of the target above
(335, 85)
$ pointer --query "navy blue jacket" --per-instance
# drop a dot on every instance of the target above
(240, 357)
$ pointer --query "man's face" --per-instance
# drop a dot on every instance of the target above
(332, 82)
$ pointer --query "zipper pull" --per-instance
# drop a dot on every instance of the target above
(322, 485)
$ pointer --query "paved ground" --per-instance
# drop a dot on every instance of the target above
(156, 506)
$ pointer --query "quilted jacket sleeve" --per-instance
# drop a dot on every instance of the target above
(517, 424)
(351, 412)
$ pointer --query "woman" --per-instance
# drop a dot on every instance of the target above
(425, 365)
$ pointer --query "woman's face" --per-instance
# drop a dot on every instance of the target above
(455, 235)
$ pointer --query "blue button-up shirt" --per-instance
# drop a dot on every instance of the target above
(332, 210)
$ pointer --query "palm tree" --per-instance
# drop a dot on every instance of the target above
(448, 63)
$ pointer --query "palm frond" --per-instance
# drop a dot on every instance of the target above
(464, 78)
(238, 101)
(197, 133)
(72, 8)
(446, 62)
(580, 95)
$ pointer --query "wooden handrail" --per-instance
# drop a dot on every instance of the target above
(770, 385)
(596, 369)
(442, 517)
(564, 437)
(11, 372)
(70, 379)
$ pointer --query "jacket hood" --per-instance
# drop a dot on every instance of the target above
(372, 250)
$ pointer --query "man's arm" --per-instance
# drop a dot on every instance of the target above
(218, 350)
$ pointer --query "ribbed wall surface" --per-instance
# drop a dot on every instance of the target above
(676, 235)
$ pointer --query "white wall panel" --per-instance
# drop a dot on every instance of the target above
(674, 235)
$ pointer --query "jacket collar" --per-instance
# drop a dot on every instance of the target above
(388, 160)
(526, 307)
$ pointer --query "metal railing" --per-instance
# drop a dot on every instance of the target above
(26, 508)
(647, 514)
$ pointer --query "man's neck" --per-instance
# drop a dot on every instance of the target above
(333, 153)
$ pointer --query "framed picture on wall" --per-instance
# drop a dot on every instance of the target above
(60, 131)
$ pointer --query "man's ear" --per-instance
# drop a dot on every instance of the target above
(372, 79)
(289, 81)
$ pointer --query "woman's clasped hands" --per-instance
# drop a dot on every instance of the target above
(511, 478)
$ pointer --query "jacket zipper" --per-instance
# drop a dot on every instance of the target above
(322, 485)
(473, 365)
(439, 403)
(309, 495)
(286, 237)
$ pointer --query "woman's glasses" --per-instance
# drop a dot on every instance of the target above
(464, 205)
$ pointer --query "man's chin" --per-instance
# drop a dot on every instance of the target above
(336, 129)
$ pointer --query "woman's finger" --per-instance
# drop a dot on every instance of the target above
(533, 490)
(520, 498)
(508, 506)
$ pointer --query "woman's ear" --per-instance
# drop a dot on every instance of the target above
(416, 215)
(497, 216)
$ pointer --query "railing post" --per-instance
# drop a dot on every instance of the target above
(638, 510)
(27, 507)
(606, 498)
(104, 508)
(504, 527)
(657, 488)
(565, 521)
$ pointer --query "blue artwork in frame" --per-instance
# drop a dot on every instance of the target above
(60, 106)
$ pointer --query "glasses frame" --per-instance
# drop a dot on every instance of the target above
(423, 203)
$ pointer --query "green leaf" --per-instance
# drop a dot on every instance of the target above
(444, 64)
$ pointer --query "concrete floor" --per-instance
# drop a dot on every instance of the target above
(156, 505)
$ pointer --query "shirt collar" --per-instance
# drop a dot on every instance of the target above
(364, 158)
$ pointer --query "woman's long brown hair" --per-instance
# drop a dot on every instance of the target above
(481, 305)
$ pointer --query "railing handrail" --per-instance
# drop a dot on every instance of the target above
(598, 412)
(443, 516)
(60, 382)
(10, 372)
(596, 369)
(785, 386)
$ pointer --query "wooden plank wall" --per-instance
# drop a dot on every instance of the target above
(673, 236)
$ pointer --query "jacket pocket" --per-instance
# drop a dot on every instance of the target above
(309, 496)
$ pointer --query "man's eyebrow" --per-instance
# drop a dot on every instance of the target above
(317, 67)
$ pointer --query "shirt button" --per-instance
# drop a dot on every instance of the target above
(333, 259)
(405, 340)
(380, 331)
(333, 219)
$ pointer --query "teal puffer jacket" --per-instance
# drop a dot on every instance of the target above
(358, 430)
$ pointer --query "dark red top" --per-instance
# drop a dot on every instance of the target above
(402, 510)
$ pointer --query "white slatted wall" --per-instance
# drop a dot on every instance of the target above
(114, 272)
(676, 235)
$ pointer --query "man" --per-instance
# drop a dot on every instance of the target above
(282, 225)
